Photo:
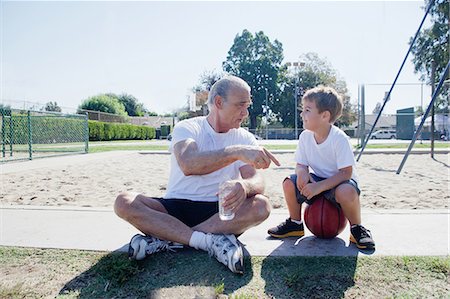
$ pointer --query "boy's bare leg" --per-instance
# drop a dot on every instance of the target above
(295, 209)
(348, 198)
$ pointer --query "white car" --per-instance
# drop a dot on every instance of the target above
(384, 134)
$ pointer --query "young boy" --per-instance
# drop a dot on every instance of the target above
(325, 151)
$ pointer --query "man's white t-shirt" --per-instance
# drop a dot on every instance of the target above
(325, 159)
(204, 187)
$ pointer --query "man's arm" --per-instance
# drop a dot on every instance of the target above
(194, 162)
(252, 180)
(251, 184)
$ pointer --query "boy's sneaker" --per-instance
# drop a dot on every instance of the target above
(141, 246)
(226, 249)
(362, 237)
(287, 229)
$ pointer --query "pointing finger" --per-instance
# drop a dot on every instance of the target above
(272, 157)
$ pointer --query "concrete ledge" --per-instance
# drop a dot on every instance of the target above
(397, 232)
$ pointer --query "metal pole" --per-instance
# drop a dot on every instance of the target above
(421, 107)
(359, 114)
(30, 136)
(86, 132)
(267, 113)
(3, 134)
(419, 129)
(11, 133)
(433, 74)
(363, 114)
(296, 106)
(395, 80)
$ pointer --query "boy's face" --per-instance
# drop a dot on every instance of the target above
(312, 118)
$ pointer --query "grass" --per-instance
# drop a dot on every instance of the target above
(36, 273)
(106, 146)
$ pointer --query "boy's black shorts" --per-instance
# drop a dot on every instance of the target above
(188, 211)
(329, 194)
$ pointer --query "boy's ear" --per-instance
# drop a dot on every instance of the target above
(326, 115)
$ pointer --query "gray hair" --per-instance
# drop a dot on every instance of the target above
(223, 86)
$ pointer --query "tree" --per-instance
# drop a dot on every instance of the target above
(104, 103)
(313, 71)
(131, 104)
(52, 106)
(5, 110)
(377, 108)
(257, 60)
(433, 44)
(207, 80)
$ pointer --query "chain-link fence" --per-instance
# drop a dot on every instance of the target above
(105, 117)
(34, 134)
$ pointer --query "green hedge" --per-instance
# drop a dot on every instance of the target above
(99, 131)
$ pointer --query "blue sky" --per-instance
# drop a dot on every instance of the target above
(68, 51)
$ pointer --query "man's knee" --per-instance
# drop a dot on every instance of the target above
(261, 208)
(122, 204)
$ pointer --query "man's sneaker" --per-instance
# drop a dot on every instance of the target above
(287, 228)
(362, 237)
(141, 246)
(226, 249)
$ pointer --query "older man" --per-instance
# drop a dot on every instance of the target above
(205, 152)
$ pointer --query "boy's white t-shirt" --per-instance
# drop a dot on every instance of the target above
(204, 187)
(325, 159)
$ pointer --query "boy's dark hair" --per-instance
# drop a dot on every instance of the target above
(326, 99)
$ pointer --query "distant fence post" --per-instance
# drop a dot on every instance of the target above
(86, 132)
(3, 134)
(30, 136)
(11, 134)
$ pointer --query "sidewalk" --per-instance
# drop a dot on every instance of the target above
(396, 232)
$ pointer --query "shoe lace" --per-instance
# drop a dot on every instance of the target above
(364, 233)
(156, 245)
(220, 247)
(283, 224)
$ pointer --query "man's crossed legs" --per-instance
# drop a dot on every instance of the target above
(168, 225)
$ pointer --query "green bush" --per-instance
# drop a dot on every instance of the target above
(99, 131)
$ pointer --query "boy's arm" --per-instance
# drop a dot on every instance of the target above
(302, 173)
(315, 188)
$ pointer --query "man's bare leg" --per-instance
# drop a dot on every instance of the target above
(252, 212)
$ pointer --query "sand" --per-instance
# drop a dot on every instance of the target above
(94, 180)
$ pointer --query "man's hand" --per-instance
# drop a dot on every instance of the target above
(257, 156)
(236, 197)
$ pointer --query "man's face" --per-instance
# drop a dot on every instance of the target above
(235, 108)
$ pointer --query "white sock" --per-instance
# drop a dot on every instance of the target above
(297, 221)
(198, 240)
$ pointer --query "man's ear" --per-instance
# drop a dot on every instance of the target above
(218, 102)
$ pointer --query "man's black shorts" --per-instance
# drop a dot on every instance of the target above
(329, 194)
(189, 212)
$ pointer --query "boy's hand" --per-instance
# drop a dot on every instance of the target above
(302, 180)
(310, 190)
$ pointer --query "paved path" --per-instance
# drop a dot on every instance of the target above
(396, 232)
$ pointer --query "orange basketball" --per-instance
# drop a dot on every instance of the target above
(324, 219)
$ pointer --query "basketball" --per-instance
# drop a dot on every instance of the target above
(324, 219)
